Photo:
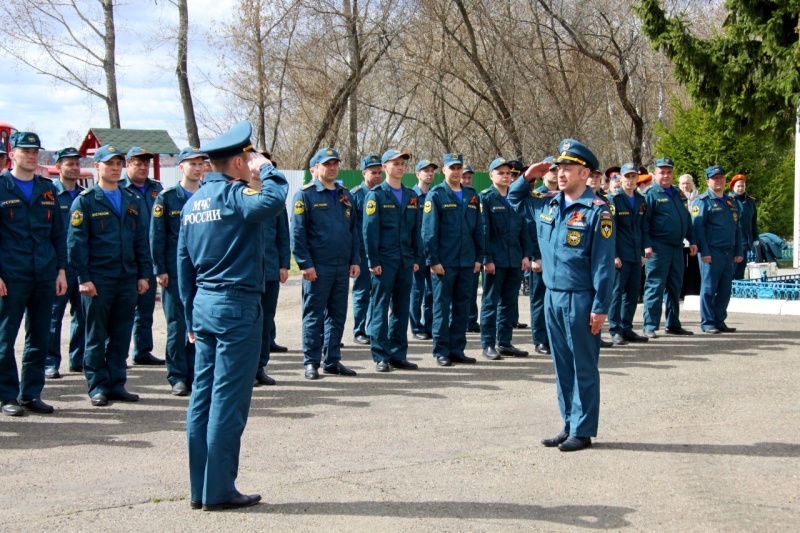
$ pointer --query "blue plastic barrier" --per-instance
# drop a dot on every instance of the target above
(773, 288)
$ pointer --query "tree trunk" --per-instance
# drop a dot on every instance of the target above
(351, 150)
(109, 64)
(181, 71)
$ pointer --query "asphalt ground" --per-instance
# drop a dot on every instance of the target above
(696, 433)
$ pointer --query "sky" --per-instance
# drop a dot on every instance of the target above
(148, 92)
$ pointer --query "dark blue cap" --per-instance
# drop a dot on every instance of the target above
(576, 153)
(452, 159)
(139, 152)
(388, 155)
(3, 148)
(233, 142)
(370, 161)
(425, 163)
(105, 153)
(628, 168)
(67, 152)
(499, 162)
(550, 159)
(713, 171)
(466, 169)
(326, 154)
(190, 153)
(25, 139)
(664, 162)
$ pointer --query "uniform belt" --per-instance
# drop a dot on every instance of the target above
(233, 293)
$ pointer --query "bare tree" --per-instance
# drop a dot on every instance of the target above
(182, 73)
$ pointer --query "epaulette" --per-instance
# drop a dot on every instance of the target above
(126, 191)
(599, 201)
(357, 187)
(85, 192)
(486, 190)
(308, 185)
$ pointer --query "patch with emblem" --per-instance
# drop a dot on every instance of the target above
(695, 211)
(372, 206)
(641, 209)
(735, 216)
(249, 192)
(428, 206)
(606, 228)
(299, 207)
(613, 209)
(48, 195)
(535, 194)
(77, 218)
(573, 238)
(158, 210)
(412, 202)
(347, 212)
(154, 194)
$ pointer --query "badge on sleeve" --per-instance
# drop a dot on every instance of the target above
(735, 216)
(158, 210)
(249, 192)
(606, 227)
(77, 218)
(428, 206)
(299, 207)
(371, 207)
(695, 211)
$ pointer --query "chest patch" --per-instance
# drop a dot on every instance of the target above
(573, 238)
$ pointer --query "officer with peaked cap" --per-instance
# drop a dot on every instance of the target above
(108, 248)
(137, 162)
(420, 313)
(221, 280)
(362, 284)
(575, 232)
(392, 219)
(33, 260)
(69, 169)
(3, 157)
(165, 225)
(748, 220)
(715, 219)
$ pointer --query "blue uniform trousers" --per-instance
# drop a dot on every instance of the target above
(389, 334)
(77, 332)
(624, 298)
(454, 289)
(499, 306)
(474, 315)
(227, 328)
(324, 314)
(538, 324)
(35, 301)
(421, 311)
(576, 353)
(269, 304)
(664, 272)
(739, 268)
(716, 279)
(109, 319)
(143, 321)
(362, 286)
(179, 351)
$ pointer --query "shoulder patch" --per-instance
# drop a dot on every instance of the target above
(428, 206)
(249, 192)
(158, 210)
(299, 207)
(77, 218)
(599, 201)
(308, 186)
(695, 211)
(371, 207)
(606, 227)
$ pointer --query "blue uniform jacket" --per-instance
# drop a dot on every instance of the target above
(630, 225)
(391, 230)
(221, 242)
(148, 199)
(165, 226)
(324, 230)
(716, 225)
(32, 244)
(359, 193)
(276, 246)
(104, 246)
(527, 201)
(452, 233)
(666, 218)
(748, 218)
(508, 238)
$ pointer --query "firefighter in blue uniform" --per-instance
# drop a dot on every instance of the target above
(362, 284)
(33, 260)
(137, 162)
(108, 248)
(667, 224)
(575, 230)
(508, 250)
(421, 307)
(392, 219)
(453, 240)
(69, 169)
(628, 208)
(325, 243)
(748, 221)
(165, 227)
(716, 223)
(473, 321)
(221, 280)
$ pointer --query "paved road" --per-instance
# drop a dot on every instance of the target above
(697, 433)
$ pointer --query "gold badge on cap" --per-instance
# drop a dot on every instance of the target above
(111, 149)
(566, 145)
(329, 152)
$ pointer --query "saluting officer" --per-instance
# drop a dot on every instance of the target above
(33, 260)
(137, 162)
(628, 208)
(667, 224)
(715, 218)
(453, 240)
(575, 230)
(221, 280)
(748, 221)
(362, 284)
(421, 309)
(164, 230)
(392, 221)
(325, 243)
(108, 248)
(507, 254)
(69, 170)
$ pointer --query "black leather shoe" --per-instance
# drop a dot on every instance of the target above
(404, 364)
(606, 344)
(52, 373)
(649, 333)
(339, 370)
(383, 366)
(238, 502)
(678, 331)
(99, 399)
(725, 329)
(512, 351)
(311, 372)
(37, 406)
(633, 337)
(618, 340)
(11, 408)
(463, 359)
(263, 379)
(542, 349)
(712, 331)
(491, 354)
(361, 339)
(277, 348)
(76, 369)
(475, 328)
(148, 359)
(444, 361)
(123, 396)
(573, 444)
(180, 389)
(555, 441)
(422, 336)
(194, 504)
(520, 325)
